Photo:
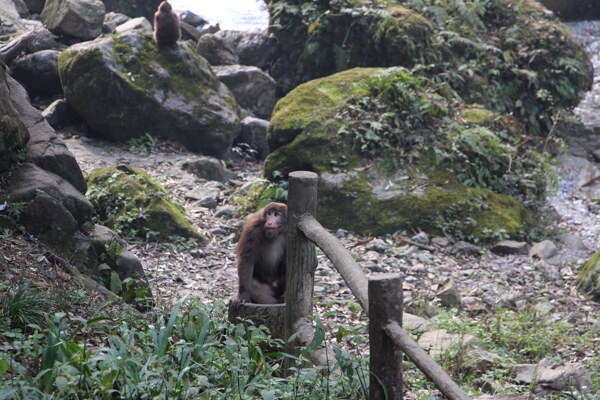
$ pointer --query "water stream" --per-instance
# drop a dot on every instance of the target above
(240, 15)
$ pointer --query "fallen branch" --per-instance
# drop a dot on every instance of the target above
(12, 49)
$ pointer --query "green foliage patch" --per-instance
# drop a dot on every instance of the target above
(188, 352)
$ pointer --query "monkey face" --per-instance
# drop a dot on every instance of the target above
(274, 220)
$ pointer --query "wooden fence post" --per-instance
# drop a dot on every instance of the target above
(385, 304)
(301, 256)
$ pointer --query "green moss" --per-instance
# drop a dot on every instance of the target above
(305, 107)
(589, 277)
(478, 116)
(452, 209)
(129, 201)
(404, 35)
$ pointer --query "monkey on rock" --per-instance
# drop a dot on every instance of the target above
(261, 257)
(166, 25)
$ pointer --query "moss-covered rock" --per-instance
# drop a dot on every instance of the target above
(124, 86)
(131, 203)
(13, 133)
(396, 152)
(512, 56)
(589, 277)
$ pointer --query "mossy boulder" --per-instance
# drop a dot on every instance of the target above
(130, 202)
(396, 152)
(589, 277)
(124, 86)
(13, 133)
(512, 56)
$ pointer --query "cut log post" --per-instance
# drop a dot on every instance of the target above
(424, 362)
(385, 303)
(301, 260)
(269, 315)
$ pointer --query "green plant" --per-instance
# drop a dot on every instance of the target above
(143, 144)
(25, 305)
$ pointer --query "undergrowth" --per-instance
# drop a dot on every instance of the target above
(188, 352)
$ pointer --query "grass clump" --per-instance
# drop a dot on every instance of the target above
(188, 352)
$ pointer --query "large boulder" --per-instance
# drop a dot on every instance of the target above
(393, 154)
(10, 21)
(133, 204)
(13, 133)
(252, 48)
(217, 51)
(45, 149)
(28, 180)
(38, 72)
(81, 19)
(253, 88)
(124, 87)
(492, 53)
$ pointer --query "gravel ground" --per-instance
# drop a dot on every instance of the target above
(515, 281)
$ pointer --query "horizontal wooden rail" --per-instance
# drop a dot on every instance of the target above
(357, 281)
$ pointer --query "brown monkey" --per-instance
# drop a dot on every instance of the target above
(166, 25)
(261, 257)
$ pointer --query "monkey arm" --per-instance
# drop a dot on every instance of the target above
(245, 272)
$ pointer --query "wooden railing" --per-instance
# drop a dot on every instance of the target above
(380, 297)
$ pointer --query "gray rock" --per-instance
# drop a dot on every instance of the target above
(209, 202)
(573, 243)
(449, 295)
(13, 133)
(112, 20)
(226, 212)
(28, 181)
(191, 18)
(415, 323)
(465, 249)
(208, 168)
(377, 245)
(543, 250)
(252, 48)
(547, 378)
(81, 19)
(509, 247)
(254, 133)
(420, 237)
(253, 88)
(440, 241)
(548, 271)
(438, 341)
(21, 8)
(140, 23)
(104, 238)
(204, 116)
(10, 16)
(45, 149)
(38, 72)
(43, 40)
(35, 6)
(48, 219)
(481, 360)
(216, 50)
(59, 114)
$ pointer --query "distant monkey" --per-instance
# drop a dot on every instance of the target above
(166, 25)
(261, 257)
